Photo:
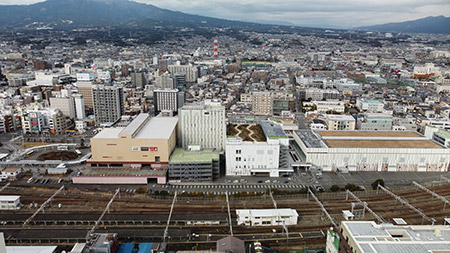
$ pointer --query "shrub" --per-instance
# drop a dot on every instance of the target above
(141, 190)
(351, 187)
(376, 183)
(335, 188)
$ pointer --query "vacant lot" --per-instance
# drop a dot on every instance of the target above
(58, 155)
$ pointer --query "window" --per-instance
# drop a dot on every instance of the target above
(157, 159)
(144, 148)
(238, 152)
(238, 159)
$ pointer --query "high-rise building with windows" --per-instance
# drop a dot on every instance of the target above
(79, 106)
(262, 103)
(138, 80)
(167, 100)
(65, 104)
(203, 126)
(190, 71)
(108, 103)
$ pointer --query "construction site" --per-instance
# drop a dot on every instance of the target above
(65, 216)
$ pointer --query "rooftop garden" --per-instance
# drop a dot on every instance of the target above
(246, 132)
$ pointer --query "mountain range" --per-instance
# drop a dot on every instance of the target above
(95, 13)
(439, 24)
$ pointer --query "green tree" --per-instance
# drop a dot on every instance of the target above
(335, 188)
(351, 187)
(376, 183)
(141, 190)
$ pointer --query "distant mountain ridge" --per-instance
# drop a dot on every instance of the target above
(439, 24)
(93, 13)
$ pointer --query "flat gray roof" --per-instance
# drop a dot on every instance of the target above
(365, 229)
(135, 124)
(371, 237)
(158, 128)
(9, 198)
(271, 129)
(410, 247)
(109, 133)
(310, 139)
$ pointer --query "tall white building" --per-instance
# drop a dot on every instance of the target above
(190, 71)
(65, 104)
(263, 153)
(79, 106)
(167, 81)
(203, 125)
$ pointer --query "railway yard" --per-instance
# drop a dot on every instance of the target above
(200, 222)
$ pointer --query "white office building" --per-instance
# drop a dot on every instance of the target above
(190, 71)
(371, 105)
(204, 126)
(65, 104)
(262, 154)
(79, 106)
(266, 217)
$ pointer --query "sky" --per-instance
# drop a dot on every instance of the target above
(312, 13)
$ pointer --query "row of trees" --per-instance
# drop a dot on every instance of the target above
(353, 187)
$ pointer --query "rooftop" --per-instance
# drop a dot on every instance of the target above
(9, 198)
(122, 172)
(143, 127)
(381, 144)
(267, 212)
(157, 128)
(109, 133)
(372, 102)
(443, 133)
(135, 124)
(180, 155)
(30, 249)
(336, 117)
(272, 129)
(398, 239)
(368, 134)
(375, 139)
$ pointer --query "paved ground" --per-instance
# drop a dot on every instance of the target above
(295, 182)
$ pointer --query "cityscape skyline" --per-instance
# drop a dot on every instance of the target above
(324, 14)
(129, 128)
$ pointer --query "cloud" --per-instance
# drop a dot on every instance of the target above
(331, 13)
(317, 13)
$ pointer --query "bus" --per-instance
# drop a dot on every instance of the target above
(30, 153)
(63, 148)
(78, 152)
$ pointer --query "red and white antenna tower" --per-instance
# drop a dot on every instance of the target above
(216, 48)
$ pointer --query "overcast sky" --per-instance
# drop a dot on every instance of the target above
(316, 13)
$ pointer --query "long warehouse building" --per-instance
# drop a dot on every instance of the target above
(372, 151)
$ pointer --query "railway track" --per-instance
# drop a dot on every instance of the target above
(133, 216)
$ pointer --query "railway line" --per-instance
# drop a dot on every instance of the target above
(195, 221)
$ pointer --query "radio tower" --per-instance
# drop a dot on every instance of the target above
(216, 48)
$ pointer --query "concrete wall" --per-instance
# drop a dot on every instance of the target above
(115, 180)
(256, 157)
(128, 150)
(379, 159)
